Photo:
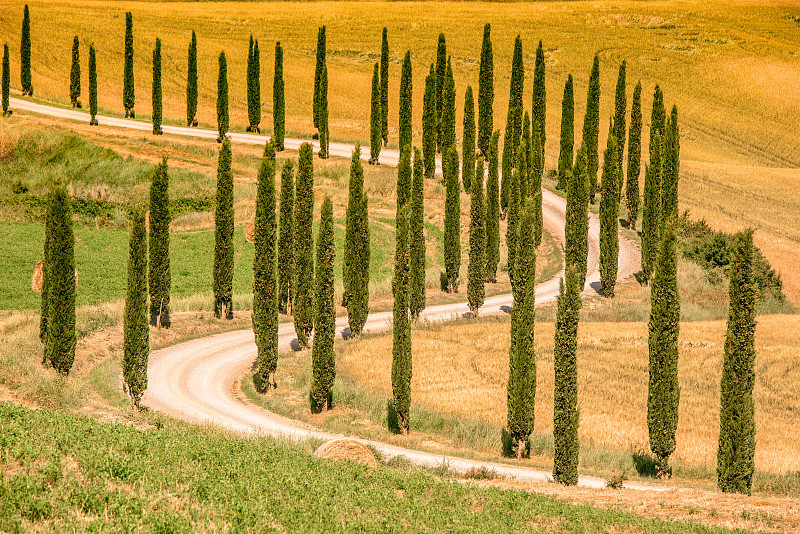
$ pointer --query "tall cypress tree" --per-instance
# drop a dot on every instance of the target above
(375, 117)
(303, 287)
(253, 86)
(356, 248)
(535, 183)
(157, 96)
(49, 223)
(591, 128)
(657, 123)
(278, 102)
(513, 119)
(651, 212)
(136, 333)
(663, 394)
(160, 219)
(75, 74)
(468, 141)
(452, 220)
(448, 123)
(566, 447)
(324, 132)
(737, 439)
(385, 87)
(430, 126)
(400, 406)
(128, 92)
(286, 239)
(223, 236)
(634, 158)
(492, 212)
(620, 106)
(417, 239)
(512, 226)
(322, 355)
(539, 111)
(191, 83)
(670, 164)
(265, 298)
(486, 93)
(92, 86)
(6, 84)
(404, 178)
(523, 157)
(441, 78)
(404, 137)
(609, 212)
(321, 52)
(476, 291)
(576, 226)
(25, 55)
(565, 156)
(222, 98)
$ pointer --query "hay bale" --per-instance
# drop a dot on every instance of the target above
(38, 276)
(250, 232)
(347, 449)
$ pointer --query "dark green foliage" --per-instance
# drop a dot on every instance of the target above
(303, 287)
(6, 84)
(609, 213)
(404, 137)
(567, 134)
(136, 344)
(448, 123)
(507, 170)
(222, 98)
(159, 275)
(737, 440)
(513, 120)
(657, 121)
(128, 92)
(539, 112)
(576, 226)
(441, 77)
(591, 128)
(492, 212)
(385, 87)
(404, 178)
(663, 392)
(75, 74)
(191, 83)
(265, 299)
(430, 125)
(634, 158)
(486, 93)
(399, 408)
(59, 346)
(320, 66)
(324, 133)
(49, 224)
(566, 447)
(286, 239)
(355, 268)
(278, 101)
(620, 106)
(512, 226)
(375, 117)
(25, 55)
(417, 239)
(452, 220)
(524, 157)
(323, 359)
(476, 291)
(468, 141)
(223, 236)
(651, 211)
(92, 85)
(157, 96)
(253, 86)
(670, 164)
(535, 183)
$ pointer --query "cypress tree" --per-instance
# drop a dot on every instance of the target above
(324, 133)
(6, 86)
(25, 55)
(476, 291)
(651, 212)
(254, 86)
(670, 164)
(128, 92)
(576, 226)
(160, 219)
(222, 98)
(486, 93)
(429, 125)
(47, 261)
(737, 440)
(441, 79)
(375, 117)
(356, 248)
(286, 239)
(92, 86)
(60, 342)
(634, 158)
(191, 83)
(468, 141)
(322, 356)
(591, 128)
(321, 53)
(278, 102)
(663, 392)
(399, 408)
(566, 447)
(513, 119)
(523, 153)
(565, 156)
(265, 298)
(657, 121)
(492, 212)
(417, 239)
(385, 87)
(303, 288)
(539, 112)
(452, 220)
(223, 236)
(609, 212)
(75, 74)
(404, 137)
(136, 344)
(535, 184)
(512, 226)
(404, 178)
(157, 103)
(620, 105)
(448, 123)
(508, 169)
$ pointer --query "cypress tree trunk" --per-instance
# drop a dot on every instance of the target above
(566, 447)
(492, 212)
(128, 92)
(385, 87)
(303, 294)
(565, 156)
(157, 103)
(160, 219)
(512, 226)
(191, 83)
(535, 185)
(417, 244)
(468, 142)
(576, 225)
(324, 133)
(539, 112)
(634, 158)
(375, 117)
(60, 342)
(486, 93)
(278, 102)
(513, 119)
(404, 137)
(222, 98)
(322, 355)
(49, 224)
(136, 342)
(663, 394)
(223, 236)
(254, 87)
(620, 105)
(92, 86)
(286, 239)
(321, 52)
(609, 213)
(399, 408)
(265, 298)
(429, 125)
(737, 440)
(441, 78)
(25, 55)
(591, 128)
(651, 213)
(356, 249)
(452, 220)
(6, 84)
(448, 124)
(75, 74)
(476, 291)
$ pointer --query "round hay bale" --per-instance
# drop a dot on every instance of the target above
(38, 276)
(250, 232)
(347, 449)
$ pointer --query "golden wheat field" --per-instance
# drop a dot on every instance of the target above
(462, 371)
